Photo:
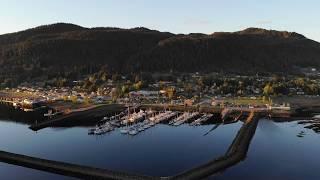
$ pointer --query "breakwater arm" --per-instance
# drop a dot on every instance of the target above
(66, 169)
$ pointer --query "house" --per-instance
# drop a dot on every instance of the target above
(77, 99)
(188, 102)
(31, 104)
(162, 91)
(144, 93)
(283, 106)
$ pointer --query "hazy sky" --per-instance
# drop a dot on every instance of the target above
(177, 16)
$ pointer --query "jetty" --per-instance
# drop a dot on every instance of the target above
(67, 169)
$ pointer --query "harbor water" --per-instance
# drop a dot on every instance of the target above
(277, 150)
(162, 150)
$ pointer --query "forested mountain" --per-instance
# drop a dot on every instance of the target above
(251, 50)
(67, 50)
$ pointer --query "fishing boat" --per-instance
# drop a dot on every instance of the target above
(197, 121)
(186, 118)
(124, 131)
(115, 123)
(147, 126)
(179, 118)
(133, 132)
(152, 124)
(141, 129)
(202, 119)
(98, 131)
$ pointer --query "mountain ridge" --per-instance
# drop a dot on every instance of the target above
(68, 50)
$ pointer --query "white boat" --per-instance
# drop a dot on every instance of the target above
(316, 116)
(115, 123)
(201, 120)
(141, 129)
(124, 131)
(134, 117)
(133, 132)
(152, 124)
(197, 121)
(98, 131)
(147, 126)
(108, 129)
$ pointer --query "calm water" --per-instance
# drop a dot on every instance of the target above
(161, 151)
(275, 152)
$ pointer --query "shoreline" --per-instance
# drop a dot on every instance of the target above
(94, 113)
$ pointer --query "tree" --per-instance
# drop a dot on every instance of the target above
(312, 89)
(86, 100)
(61, 82)
(188, 88)
(104, 76)
(170, 92)
(93, 79)
(116, 77)
(114, 94)
(137, 78)
(268, 89)
(201, 82)
(299, 82)
(124, 89)
(74, 99)
(138, 85)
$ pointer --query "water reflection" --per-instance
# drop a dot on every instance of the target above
(301, 134)
(159, 151)
(279, 154)
(8, 171)
(313, 124)
(164, 150)
(11, 114)
(212, 129)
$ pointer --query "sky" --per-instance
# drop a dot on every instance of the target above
(176, 16)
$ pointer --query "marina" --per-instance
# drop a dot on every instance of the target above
(120, 136)
(119, 152)
(136, 122)
(202, 119)
(115, 147)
